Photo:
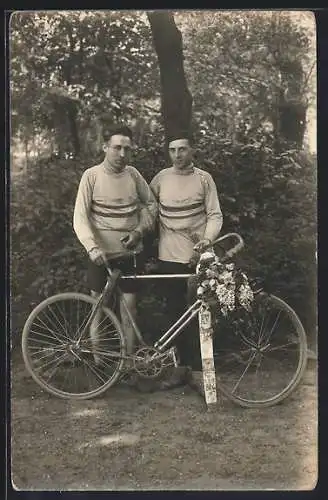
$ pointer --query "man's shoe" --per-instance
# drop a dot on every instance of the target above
(180, 376)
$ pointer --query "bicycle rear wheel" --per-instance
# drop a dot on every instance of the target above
(60, 354)
(260, 356)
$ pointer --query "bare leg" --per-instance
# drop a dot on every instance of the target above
(94, 329)
(130, 300)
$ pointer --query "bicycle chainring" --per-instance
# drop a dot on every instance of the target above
(149, 362)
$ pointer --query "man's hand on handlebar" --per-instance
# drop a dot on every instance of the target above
(202, 245)
(223, 254)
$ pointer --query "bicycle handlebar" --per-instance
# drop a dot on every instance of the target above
(121, 255)
(228, 254)
(118, 255)
(234, 250)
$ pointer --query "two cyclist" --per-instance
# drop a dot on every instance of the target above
(114, 210)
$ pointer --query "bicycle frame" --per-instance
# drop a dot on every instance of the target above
(99, 356)
(175, 329)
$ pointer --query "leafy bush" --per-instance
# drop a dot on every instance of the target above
(270, 200)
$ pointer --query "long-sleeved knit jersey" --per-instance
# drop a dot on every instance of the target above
(189, 210)
(109, 205)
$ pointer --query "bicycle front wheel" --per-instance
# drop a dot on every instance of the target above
(63, 356)
(260, 356)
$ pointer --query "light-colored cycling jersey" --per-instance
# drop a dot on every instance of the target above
(189, 210)
(109, 205)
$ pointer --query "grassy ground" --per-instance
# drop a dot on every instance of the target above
(126, 440)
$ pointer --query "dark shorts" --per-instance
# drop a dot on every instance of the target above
(166, 267)
(97, 275)
(178, 297)
(174, 289)
(179, 288)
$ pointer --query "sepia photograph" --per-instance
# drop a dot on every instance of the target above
(163, 250)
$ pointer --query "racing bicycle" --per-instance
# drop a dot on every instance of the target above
(259, 357)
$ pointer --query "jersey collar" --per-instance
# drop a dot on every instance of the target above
(186, 171)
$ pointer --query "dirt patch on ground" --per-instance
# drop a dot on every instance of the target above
(126, 440)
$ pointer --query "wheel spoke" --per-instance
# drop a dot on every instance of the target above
(283, 347)
(262, 329)
(80, 328)
(44, 342)
(58, 361)
(65, 322)
(94, 369)
(53, 331)
(267, 337)
(56, 364)
(60, 324)
(264, 372)
(242, 375)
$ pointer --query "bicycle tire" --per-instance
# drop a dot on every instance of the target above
(38, 340)
(282, 373)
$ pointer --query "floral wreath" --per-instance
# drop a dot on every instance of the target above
(221, 284)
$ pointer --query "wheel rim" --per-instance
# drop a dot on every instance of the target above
(65, 357)
(259, 357)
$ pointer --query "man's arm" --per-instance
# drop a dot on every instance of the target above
(148, 209)
(81, 217)
(213, 210)
(154, 186)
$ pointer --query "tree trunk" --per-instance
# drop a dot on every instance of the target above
(67, 67)
(292, 107)
(292, 121)
(72, 114)
(26, 152)
(176, 99)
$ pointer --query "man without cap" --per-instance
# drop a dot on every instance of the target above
(114, 208)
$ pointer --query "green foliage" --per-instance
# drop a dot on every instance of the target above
(89, 60)
(101, 65)
(77, 69)
(274, 209)
(248, 61)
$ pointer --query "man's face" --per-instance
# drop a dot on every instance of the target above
(117, 152)
(180, 153)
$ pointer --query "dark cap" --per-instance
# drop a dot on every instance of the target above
(180, 134)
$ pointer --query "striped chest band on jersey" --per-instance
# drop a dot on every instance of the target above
(182, 212)
(181, 208)
(124, 210)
